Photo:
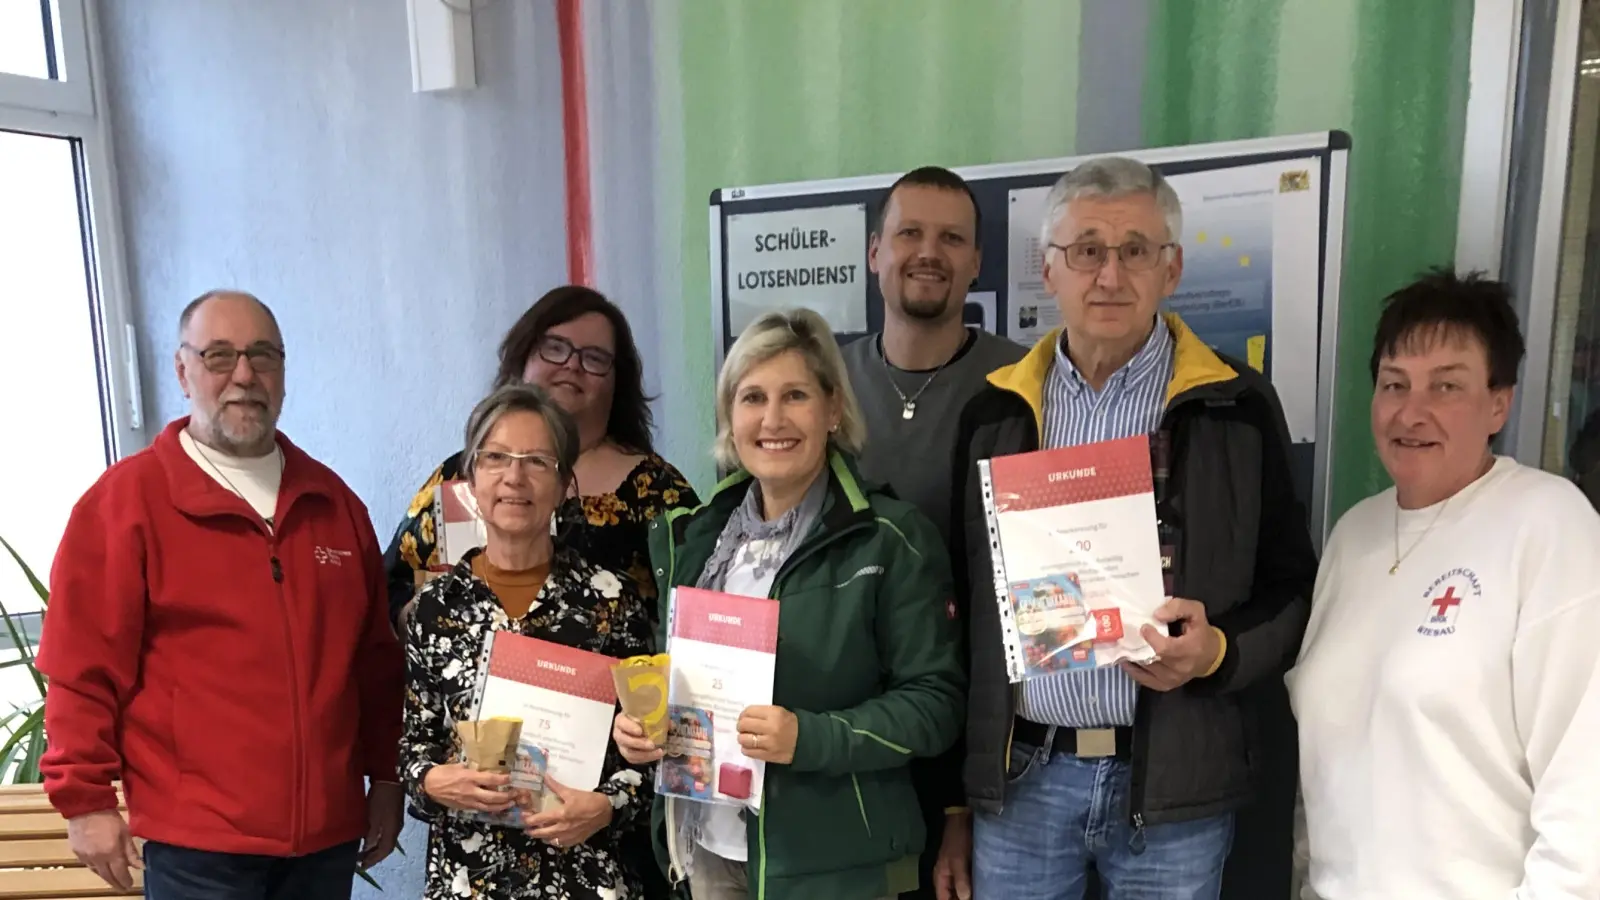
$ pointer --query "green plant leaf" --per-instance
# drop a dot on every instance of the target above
(21, 744)
(18, 639)
(368, 878)
(24, 650)
(38, 587)
(28, 772)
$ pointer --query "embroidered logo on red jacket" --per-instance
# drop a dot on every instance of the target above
(328, 556)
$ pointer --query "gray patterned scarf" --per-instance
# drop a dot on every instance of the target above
(782, 535)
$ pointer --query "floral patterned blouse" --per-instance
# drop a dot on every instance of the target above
(581, 605)
(607, 529)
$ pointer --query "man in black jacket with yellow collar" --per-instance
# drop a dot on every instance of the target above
(1136, 773)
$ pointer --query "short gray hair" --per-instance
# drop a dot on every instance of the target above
(521, 397)
(774, 333)
(1110, 176)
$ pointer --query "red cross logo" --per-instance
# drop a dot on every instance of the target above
(1441, 605)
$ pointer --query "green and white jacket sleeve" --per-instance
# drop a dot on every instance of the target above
(922, 709)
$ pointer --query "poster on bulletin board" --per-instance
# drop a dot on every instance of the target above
(791, 257)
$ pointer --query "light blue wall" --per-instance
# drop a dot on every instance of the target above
(276, 146)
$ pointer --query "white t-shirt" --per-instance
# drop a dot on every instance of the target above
(254, 478)
(722, 831)
(1449, 713)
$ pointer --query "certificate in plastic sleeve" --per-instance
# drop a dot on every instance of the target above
(724, 653)
(564, 696)
(1077, 562)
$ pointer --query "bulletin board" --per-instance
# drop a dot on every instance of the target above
(1262, 238)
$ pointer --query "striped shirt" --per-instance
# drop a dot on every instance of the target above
(1132, 402)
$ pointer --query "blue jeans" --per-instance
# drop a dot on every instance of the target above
(1064, 813)
(178, 873)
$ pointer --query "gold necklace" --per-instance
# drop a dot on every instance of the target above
(1398, 558)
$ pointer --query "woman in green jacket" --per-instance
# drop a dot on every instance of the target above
(868, 668)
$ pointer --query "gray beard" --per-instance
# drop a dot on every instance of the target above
(250, 440)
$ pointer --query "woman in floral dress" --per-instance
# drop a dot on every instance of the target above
(521, 451)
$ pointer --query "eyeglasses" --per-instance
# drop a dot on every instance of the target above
(557, 350)
(1135, 255)
(220, 359)
(496, 461)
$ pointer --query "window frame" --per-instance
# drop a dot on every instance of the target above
(1533, 244)
(74, 108)
(73, 91)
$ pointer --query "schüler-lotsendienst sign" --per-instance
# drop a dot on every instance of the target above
(799, 257)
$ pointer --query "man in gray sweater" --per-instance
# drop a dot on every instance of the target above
(912, 381)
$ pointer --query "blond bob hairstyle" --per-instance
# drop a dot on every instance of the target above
(775, 333)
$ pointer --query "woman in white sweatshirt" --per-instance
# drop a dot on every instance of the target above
(1448, 688)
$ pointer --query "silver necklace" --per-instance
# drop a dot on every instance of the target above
(277, 451)
(1400, 558)
(909, 404)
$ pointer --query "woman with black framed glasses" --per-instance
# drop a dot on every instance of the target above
(576, 345)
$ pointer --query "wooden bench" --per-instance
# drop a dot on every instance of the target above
(35, 861)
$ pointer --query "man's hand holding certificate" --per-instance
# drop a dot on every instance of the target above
(1194, 653)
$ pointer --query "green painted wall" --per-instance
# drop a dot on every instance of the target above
(759, 91)
(791, 91)
(1394, 75)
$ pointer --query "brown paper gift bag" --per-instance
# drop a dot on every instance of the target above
(490, 745)
(642, 689)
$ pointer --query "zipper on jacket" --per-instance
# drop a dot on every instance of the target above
(761, 816)
(1139, 762)
(297, 799)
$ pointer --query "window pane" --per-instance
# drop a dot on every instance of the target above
(1572, 418)
(54, 442)
(25, 38)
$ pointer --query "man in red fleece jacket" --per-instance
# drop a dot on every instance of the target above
(218, 639)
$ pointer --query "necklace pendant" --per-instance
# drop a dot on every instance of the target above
(909, 411)
(1394, 568)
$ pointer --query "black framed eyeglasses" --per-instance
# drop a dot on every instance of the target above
(1135, 255)
(557, 350)
(222, 358)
